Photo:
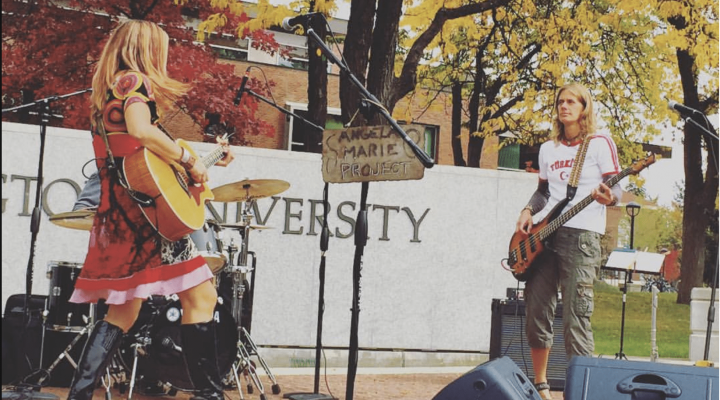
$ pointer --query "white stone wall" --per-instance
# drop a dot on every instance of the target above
(430, 292)
(699, 305)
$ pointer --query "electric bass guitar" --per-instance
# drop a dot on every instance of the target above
(524, 249)
(175, 207)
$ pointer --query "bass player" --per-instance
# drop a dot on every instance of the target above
(574, 251)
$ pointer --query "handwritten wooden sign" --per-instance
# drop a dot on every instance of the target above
(371, 153)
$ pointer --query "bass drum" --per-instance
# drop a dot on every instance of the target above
(161, 359)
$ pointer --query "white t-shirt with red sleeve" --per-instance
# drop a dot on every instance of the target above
(556, 162)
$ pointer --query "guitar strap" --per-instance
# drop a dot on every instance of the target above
(110, 159)
(141, 198)
(577, 168)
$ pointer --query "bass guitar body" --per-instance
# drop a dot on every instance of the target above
(177, 208)
(525, 248)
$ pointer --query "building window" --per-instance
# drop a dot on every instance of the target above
(517, 156)
(431, 134)
(230, 48)
(298, 130)
(508, 155)
(297, 57)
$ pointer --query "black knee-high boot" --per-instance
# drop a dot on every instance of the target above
(199, 346)
(101, 345)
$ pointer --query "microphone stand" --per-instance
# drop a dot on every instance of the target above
(361, 221)
(324, 239)
(691, 121)
(44, 113)
(303, 120)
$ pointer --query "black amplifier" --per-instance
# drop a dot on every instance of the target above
(507, 338)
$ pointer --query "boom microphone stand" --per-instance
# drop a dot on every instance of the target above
(324, 238)
(43, 107)
(361, 221)
(711, 308)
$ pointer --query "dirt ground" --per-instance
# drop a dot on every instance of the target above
(420, 386)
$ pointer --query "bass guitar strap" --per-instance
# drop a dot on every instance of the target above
(577, 168)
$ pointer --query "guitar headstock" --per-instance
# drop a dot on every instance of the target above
(212, 132)
(639, 165)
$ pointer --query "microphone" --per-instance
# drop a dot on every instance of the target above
(682, 109)
(240, 91)
(170, 344)
(289, 23)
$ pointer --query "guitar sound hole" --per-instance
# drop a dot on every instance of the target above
(182, 180)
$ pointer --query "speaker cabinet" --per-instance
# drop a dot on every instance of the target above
(507, 338)
(610, 379)
(498, 379)
(23, 340)
(22, 336)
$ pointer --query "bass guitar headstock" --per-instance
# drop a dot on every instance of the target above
(640, 165)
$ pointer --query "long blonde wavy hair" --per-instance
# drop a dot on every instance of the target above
(588, 123)
(140, 46)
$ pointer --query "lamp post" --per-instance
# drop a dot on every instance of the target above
(632, 209)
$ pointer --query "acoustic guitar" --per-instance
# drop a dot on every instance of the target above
(176, 207)
(524, 249)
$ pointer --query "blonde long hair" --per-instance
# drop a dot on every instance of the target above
(588, 124)
(140, 46)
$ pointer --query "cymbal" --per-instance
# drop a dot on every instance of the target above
(80, 219)
(249, 190)
(240, 225)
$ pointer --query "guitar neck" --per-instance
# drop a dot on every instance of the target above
(209, 160)
(551, 227)
(213, 157)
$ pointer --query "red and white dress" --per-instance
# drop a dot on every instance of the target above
(126, 257)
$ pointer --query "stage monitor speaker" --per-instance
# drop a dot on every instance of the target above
(23, 338)
(507, 338)
(611, 379)
(498, 379)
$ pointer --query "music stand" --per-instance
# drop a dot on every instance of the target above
(629, 261)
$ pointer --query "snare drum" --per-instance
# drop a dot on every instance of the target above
(61, 314)
(210, 245)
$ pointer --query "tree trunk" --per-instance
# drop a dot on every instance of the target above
(357, 45)
(317, 90)
(475, 143)
(381, 75)
(457, 150)
(693, 252)
(700, 191)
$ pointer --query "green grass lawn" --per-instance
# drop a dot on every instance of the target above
(673, 323)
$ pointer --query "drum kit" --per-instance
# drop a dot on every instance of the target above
(151, 352)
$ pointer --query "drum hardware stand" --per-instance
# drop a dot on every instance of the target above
(239, 273)
(142, 340)
(65, 354)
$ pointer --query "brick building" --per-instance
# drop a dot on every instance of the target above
(290, 77)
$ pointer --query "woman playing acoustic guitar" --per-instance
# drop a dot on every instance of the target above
(574, 250)
(127, 259)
